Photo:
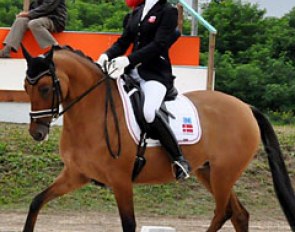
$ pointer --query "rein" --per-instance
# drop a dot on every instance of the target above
(54, 111)
(109, 101)
(79, 98)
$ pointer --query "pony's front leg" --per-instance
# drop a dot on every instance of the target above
(124, 196)
(66, 181)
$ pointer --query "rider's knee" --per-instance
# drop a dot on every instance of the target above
(149, 115)
(21, 21)
(34, 24)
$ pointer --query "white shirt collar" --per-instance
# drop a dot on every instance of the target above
(147, 6)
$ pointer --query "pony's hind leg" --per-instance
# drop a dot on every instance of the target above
(233, 209)
(240, 217)
(67, 181)
(203, 175)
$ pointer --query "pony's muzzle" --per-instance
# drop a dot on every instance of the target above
(39, 131)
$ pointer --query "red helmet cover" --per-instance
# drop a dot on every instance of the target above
(133, 3)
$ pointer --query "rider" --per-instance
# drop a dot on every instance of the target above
(150, 27)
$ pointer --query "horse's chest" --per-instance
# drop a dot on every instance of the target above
(84, 161)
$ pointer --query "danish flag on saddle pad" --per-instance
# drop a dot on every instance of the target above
(185, 125)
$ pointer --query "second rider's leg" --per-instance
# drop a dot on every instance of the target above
(41, 29)
(14, 37)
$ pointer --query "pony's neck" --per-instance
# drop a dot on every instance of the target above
(79, 75)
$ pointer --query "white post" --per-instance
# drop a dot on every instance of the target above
(210, 80)
(194, 26)
(26, 5)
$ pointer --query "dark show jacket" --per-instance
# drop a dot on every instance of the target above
(54, 9)
(151, 39)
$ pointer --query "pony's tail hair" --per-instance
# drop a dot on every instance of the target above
(281, 180)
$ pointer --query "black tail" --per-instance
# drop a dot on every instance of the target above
(281, 180)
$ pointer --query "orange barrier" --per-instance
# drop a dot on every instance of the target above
(184, 52)
(13, 96)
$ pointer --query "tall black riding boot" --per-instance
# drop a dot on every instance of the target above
(169, 142)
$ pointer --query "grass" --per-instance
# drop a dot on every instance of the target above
(27, 167)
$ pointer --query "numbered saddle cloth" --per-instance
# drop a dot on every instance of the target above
(185, 125)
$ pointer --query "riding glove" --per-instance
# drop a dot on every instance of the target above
(116, 66)
(119, 63)
(102, 60)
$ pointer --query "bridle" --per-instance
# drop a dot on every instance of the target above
(57, 98)
(54, 111)
(57, 95)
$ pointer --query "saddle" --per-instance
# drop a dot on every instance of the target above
(136, 96)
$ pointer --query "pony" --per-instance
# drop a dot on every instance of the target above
(94, 146)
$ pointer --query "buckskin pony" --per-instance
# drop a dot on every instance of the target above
(92, 140)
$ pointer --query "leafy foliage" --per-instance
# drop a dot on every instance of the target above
(255, 57)
(96, 15)
(238, 25)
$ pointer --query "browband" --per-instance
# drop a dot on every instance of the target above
(35, 79)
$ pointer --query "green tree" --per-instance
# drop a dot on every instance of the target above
(96, 15)
(239, 25)
(255, 54)
(284, 37)
(8, 10)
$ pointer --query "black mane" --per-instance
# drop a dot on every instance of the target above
(69, 48)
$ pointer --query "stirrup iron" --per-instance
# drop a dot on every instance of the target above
(179, 165)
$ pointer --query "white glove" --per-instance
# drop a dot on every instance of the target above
(102, 60)
(117, 65)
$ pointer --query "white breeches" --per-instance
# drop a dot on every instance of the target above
(154, 93)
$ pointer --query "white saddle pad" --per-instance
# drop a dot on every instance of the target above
(186, 125)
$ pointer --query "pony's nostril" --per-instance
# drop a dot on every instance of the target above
(38, 136)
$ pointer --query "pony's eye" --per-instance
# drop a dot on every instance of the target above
(45, 91)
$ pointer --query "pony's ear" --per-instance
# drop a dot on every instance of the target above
(49, 55)
(26, 54)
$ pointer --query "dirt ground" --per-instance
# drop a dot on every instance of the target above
(96, 222)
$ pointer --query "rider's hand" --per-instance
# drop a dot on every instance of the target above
(23, 14)
(102, 60)
(117, 65)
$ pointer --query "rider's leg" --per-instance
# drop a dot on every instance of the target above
(154, 94)
(168, 140)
